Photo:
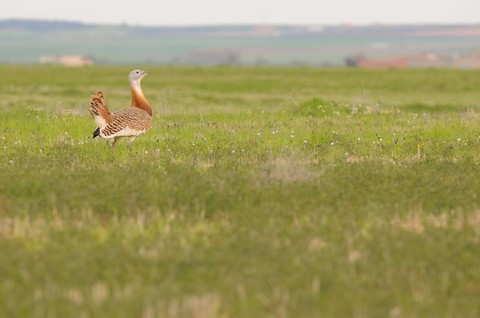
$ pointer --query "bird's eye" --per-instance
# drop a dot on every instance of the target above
(137, 72)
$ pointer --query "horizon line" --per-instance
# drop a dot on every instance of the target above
(218, 24)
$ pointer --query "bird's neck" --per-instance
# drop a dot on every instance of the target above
(138, 99)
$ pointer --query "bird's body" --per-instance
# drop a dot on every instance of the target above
(129, 122)
(125, 123)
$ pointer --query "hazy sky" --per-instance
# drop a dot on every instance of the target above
(191, 12)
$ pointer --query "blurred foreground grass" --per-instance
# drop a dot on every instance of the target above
(258, 192)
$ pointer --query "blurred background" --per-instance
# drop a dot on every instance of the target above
(367, 34)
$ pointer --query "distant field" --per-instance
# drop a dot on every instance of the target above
(258, 192)
(26, 41)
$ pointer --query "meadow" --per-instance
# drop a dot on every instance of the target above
(258, 192)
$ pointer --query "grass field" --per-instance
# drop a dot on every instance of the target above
(258, 192)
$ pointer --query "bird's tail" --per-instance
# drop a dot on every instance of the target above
(96, 133)
(99, 110)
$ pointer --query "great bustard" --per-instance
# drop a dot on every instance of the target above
(129, 122)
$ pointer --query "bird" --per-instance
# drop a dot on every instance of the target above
(128, 122)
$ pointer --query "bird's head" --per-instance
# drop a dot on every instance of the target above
(136, 76)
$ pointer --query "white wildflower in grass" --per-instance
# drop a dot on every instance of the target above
(459, 139)
(292, 136)
(305, 141)
(146, 151)
(332, 144)
(359, 138)
(233, 151)
(4, 147)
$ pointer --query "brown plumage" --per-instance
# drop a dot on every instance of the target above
(98, 107)
(129, 122)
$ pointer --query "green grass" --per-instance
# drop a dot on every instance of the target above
(258, 192)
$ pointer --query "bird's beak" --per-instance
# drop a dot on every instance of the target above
(145, 72)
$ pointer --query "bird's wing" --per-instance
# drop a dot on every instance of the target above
(127, 122)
